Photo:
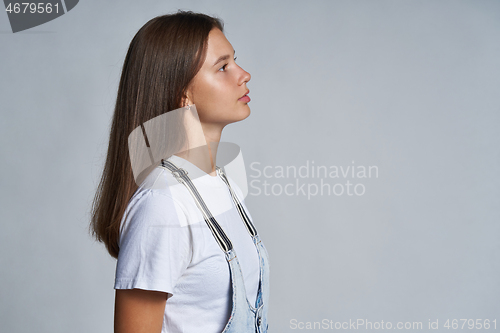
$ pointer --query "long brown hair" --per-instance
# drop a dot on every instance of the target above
(163, 58)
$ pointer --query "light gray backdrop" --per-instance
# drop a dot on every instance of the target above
(411, 87)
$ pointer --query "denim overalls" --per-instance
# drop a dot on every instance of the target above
(244, 318)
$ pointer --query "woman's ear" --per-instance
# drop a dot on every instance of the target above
(186, 99)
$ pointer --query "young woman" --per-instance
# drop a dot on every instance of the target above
(176, 228)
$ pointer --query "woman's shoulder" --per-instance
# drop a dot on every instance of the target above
(154, 204)
(158, 181)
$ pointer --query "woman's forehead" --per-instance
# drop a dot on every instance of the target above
(218, 46)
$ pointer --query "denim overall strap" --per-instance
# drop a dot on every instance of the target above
(261, 304)
(251, 229)
(244, 317)
(182, 177)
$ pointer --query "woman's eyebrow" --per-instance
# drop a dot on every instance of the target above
(222, 58)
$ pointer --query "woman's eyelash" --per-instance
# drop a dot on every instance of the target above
(224, 67)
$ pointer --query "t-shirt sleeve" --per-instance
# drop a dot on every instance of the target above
(155, 244)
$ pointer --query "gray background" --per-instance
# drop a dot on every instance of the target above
(409, 86)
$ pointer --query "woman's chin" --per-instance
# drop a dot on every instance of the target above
(245, 113)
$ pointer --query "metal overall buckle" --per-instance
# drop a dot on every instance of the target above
(179, 173)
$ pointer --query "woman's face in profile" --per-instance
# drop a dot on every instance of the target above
(218, 86)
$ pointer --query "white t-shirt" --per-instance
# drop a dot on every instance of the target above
(165, 245)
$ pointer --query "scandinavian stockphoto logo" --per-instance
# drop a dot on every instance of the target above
(180, 132)
(178, 136)
(310, 179)
(26, 15)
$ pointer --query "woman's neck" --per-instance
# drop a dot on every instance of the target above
(204, 156)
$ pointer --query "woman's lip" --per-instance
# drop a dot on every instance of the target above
(248, 91)
(245, 99)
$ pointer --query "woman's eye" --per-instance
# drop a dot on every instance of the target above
(224, 67)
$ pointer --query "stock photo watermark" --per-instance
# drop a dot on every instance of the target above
(365, 324)
(24, 15)
(179, 132)
(310, 180)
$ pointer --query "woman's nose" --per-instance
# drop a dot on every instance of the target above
(245, 76)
